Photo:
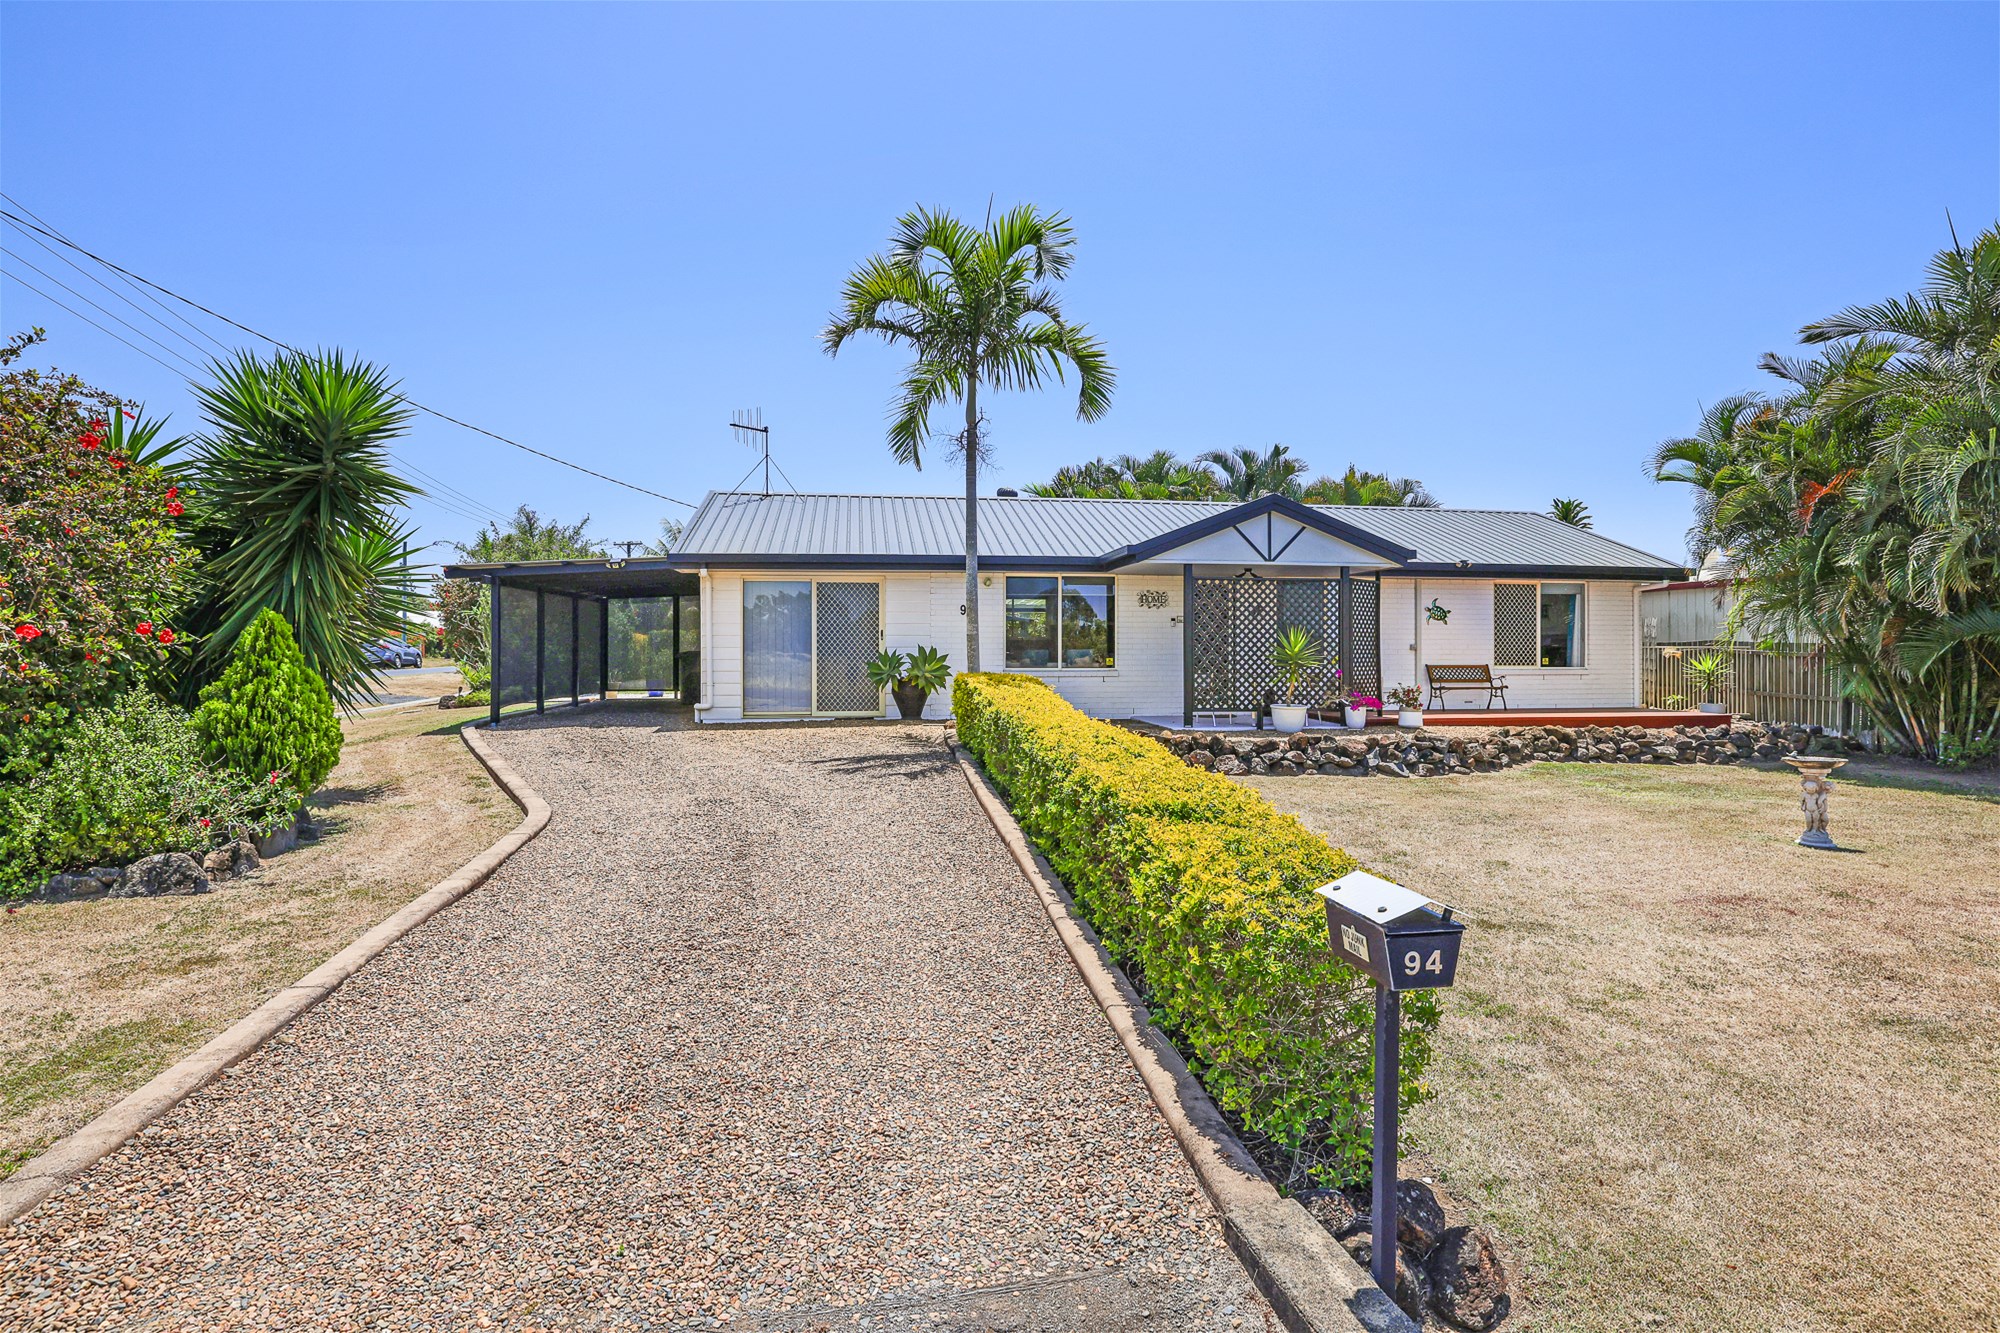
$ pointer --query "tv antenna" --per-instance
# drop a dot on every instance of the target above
(749, 428)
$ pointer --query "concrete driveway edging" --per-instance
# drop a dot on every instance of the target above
(1311, 1282)
(70, 1156)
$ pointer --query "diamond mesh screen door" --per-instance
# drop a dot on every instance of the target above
(847, 633)
(1517, 614)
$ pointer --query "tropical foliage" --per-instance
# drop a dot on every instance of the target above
(976, 308)
(1860, 500)
(269, 717)
(1573, 512)
(93, 565)
(464, 607)
(1206, 893)
(124, 782)
(1229, 474)
(297, 512)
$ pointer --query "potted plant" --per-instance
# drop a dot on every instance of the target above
(1408, 702)
(1297, 655)
(911, 678)
(1707, 675)
(1357, 709)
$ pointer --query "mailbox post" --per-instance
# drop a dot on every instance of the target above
(1392, 934)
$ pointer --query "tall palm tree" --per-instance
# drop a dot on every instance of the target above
(1247, 474)
(975, 308)
(1573, 512)
(298, 508)
(1158, 476)
(1360, 487)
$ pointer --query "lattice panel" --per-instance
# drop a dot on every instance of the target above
(1235, 626)
(1517, 624)
(847, 633)
(1364, 640)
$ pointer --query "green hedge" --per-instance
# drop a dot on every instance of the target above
(1208, 892)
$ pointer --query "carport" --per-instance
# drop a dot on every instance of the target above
(562, 631)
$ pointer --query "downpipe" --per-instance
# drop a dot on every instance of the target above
(702, 686)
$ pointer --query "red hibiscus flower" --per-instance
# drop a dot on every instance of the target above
(90, 441)
(204, 821)
(144, 627)
(274, 777)
(117, 461)
(26, 631)
(166, 636)
(172, 491)
(175, 508)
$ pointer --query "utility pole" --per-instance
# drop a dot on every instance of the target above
(627, 545)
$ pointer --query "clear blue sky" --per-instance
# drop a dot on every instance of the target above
(1501, 249)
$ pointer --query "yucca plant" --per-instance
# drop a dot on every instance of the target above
(300, 501)
(1297, 655)
(1707, 675)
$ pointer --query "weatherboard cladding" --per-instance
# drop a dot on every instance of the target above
(900, 528)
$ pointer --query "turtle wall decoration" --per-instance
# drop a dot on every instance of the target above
(1436, 612)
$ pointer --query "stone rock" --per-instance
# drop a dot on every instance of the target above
(1229, 764)
(1200, 759)
(1419, 1217)
(1395, 769)
(1413, 1285)
(1468, 1283)
(167, 874)
(70, 888)
(232, 860)
(1334, 1211)
(106, 875)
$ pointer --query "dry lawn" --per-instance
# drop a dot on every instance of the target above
(1697, 1077)
(97, 997)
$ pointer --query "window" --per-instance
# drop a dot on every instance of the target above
(1538, 624)
(1060, 622)
(1562, 624)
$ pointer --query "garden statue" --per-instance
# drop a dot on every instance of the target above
(1816, 784)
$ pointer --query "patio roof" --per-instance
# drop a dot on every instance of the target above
(641, 576)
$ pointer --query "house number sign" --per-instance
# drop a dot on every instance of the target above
(1152, 599)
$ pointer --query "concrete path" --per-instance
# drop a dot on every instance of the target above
(764, 1031)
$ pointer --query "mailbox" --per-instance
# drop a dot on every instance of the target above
(1391, 932)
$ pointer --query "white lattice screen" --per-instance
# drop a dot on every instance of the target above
(1517, 628)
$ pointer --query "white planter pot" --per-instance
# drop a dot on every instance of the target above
(1288, 717)
(1357, 718)
(1715, 708)
(1409, 717)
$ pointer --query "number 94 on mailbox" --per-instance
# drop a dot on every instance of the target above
(1391, 933)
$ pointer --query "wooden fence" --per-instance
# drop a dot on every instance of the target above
(1792, 684)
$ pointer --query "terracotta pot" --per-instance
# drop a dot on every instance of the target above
(909, 700)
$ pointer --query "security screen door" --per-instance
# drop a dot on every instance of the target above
(847, 633)
(807, 645)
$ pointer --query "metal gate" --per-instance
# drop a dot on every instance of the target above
(1234, 625)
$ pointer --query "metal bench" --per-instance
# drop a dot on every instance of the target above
(1479, 677)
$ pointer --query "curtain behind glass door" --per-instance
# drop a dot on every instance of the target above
(777, 646)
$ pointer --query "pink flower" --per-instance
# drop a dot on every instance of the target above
(274, 777)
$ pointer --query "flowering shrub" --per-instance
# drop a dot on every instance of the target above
(92, 565)
(125, 782)
(269, 717)
(1206, 892)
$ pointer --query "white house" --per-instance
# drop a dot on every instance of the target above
(1128, 608)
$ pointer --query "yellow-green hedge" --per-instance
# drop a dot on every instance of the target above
(1206, 891)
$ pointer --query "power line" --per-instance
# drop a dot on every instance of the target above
(95, 325)
(430, 411)
(57, 233)
(100, 309)
(119, 295)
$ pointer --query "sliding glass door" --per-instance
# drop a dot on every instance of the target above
(807, 645)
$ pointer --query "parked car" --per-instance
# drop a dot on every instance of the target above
(388, 652)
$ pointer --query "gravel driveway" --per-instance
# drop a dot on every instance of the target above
(765, 1029)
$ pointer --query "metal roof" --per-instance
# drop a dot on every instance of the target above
(749, 527)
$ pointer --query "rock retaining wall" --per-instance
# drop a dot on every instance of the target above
(1434, 752)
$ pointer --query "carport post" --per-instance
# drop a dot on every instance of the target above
(541, 630)
(575, 645)
(603, 648)
(1187, 645)
(677, 643)
(1343, 631)
(493, 652)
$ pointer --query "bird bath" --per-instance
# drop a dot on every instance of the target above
(1815, 784)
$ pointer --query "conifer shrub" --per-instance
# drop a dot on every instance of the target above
(269, 716)
(1206, 892)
